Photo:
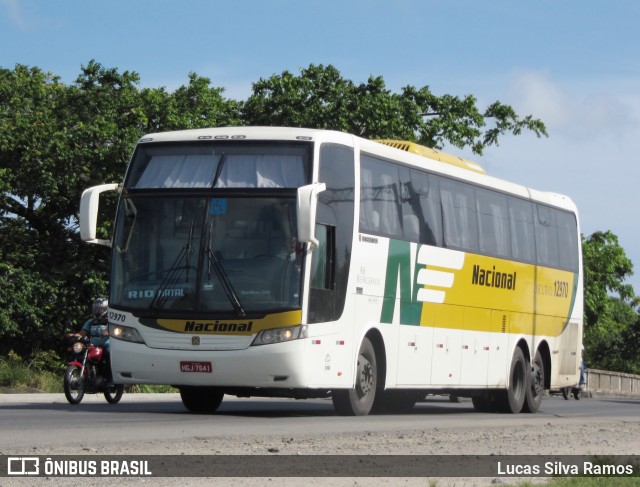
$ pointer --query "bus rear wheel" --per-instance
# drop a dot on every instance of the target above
(359, 400)
(201, 400)
(512, 399)
(535, 390)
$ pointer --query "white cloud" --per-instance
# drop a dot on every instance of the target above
(580, 112)
(14, 13)
(592, 153)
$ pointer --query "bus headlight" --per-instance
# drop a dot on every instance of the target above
(279, 335)
(125, 333)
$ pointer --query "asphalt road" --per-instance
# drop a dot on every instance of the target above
(45, 422)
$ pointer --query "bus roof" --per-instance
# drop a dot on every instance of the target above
(424, 151)
(453, 165)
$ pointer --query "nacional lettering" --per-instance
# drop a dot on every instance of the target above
(218, 327)
(493, 278)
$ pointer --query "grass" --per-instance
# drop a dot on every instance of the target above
(39, 374)
(45, 373)
(588, 482)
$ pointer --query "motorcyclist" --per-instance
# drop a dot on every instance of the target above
(97, 328)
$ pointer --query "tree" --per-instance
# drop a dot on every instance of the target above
(611, 325)
(196, 105)
(56, 140)
(32, 220)
(321, 98)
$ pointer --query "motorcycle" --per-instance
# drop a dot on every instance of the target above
(87, 373)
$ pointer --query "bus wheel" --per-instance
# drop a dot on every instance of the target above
(535, 390)
(359, 400)
(512, 399)
(202, 400)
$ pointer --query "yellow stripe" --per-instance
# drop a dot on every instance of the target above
(481, 299)
(240, 327)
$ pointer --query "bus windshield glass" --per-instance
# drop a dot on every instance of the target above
(235, 255)
(210, 228)
(210, 165)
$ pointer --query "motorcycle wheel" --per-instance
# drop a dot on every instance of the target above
(73, 385)
(114, 394)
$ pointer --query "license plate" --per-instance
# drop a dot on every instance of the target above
(189, 366)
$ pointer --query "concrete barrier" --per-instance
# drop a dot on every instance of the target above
(612, 383)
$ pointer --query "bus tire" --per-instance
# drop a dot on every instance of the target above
(359, 400)
(201, 400)
(535, 389)
(512, 399)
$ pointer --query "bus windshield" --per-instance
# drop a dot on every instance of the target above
(218, 165)
(235, 255)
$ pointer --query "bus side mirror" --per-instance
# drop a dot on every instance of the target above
(89, 213)
(307, 203)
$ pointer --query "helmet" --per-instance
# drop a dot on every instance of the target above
(99, 308)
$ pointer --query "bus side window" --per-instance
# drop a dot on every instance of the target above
(380, 210)
(420, 207)
(322, 259)
(546, 237)
(523, 246)
(567, 240)
(459, 215)
(493, 219)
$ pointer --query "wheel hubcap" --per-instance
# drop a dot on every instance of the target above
(365, 377)
(536, 379)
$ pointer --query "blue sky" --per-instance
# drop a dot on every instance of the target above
(574, 63)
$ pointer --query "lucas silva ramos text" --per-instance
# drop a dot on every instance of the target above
(559, 468)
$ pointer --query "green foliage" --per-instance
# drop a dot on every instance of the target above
(17, 375)
(150, 389)
(45, 373)
(612, 325)
(593, 482)
(321, 98)
(55, 141)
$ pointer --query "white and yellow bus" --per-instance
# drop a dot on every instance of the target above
(307, 263)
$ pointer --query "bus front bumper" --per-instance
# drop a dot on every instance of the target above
(280, 365)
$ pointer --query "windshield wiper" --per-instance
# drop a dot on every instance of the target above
(130, 214)
(173, 274)
(231, 293)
